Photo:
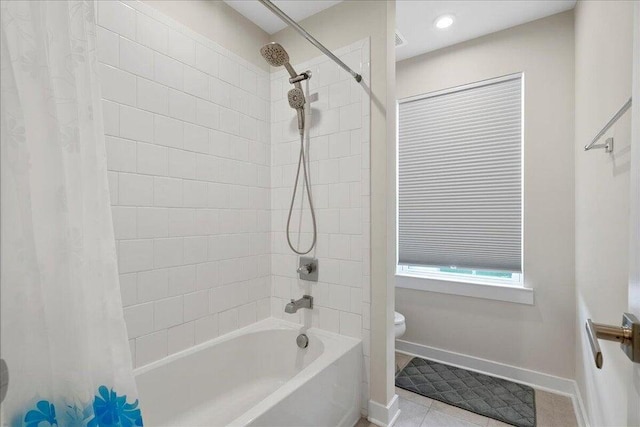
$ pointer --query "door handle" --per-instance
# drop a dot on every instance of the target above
(628, 335)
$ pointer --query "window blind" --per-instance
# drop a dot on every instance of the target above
(460, 177)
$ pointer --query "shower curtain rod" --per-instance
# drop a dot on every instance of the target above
(293, 24)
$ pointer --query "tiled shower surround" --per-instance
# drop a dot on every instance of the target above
(187, 125)
(338, 142)
(202, 151)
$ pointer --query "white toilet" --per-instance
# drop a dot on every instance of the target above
(400, 325)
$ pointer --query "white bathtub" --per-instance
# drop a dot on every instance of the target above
(256, 376)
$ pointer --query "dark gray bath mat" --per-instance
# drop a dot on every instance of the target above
(503, 400)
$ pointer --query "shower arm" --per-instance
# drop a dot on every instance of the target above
(293, 24)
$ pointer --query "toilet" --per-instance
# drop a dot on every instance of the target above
(400, 325)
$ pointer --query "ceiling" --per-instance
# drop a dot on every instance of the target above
(415, 18)
(265, 19)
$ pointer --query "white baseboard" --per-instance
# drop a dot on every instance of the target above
(531, 378)
(384, 416)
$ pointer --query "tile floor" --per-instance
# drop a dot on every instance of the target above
(552, 410)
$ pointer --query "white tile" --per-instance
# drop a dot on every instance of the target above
(328, 171)
(229, 121)
(167, 312)
(246, 314)
(117, 85)
(135, 58)
(151, 159)
(135, 190)
(153, 285)
(124, 222)
(248, 127)
(182, 106)
(182, 164)
(168, 71)
(153, 222)
(356, 301)
(207, 167)
(182, 280)
(121, 154)
(195, 194)
(168, 131)
(196, 138)
(139, 319)
(226, 297)
(328, 73)
(350, 169)
(153, 96)
(151, 33)
(339, 94)
(117, 17)
(167, 252)
(207, 60)
(167, 192)
(339, 196)
(136, 124)
(339, 144)
(329, 319)
(195, 249)
(350, 221)
(206, 328)
(351, 273)
(351, 324)
(196, 305)
(351, 116)
(135, 255)
(108, 46)
(220, 92)
(182, 222)
(228, 321)
(339, 246)
(111, 117)
(150, 348)
(128, 289)
(182, 47)
(207, 114)
(228, 71)
(206, 275)
(339, 297)
(181, 337)
(196, 82)
(112, 178)
(263, 308)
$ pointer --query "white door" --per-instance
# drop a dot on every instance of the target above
(633, 402)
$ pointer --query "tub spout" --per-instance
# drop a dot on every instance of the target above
(305, 302)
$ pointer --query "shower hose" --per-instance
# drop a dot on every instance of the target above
(302, 161)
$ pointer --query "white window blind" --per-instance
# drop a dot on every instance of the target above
(460, 177)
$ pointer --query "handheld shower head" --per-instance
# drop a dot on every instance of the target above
(297, 101)
(276, 56)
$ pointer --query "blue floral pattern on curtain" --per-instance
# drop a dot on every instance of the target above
(107, 410)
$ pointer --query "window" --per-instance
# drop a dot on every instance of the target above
(460, 183)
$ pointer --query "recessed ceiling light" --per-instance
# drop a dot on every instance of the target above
(444, 21)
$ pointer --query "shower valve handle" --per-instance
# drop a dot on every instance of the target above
(305, 269)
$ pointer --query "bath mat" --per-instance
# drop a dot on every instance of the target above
(503, 400)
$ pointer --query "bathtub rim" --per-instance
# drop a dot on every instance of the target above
(261, 325)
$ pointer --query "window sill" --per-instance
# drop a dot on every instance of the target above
(514, 294)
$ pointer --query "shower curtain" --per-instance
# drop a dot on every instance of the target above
(63, 334)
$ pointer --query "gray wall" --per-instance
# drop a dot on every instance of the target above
(603, 37)
(539, 337)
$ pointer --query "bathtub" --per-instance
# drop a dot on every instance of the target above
(256, 376)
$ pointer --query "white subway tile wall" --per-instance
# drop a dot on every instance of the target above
(338, 119)
(188, 155)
